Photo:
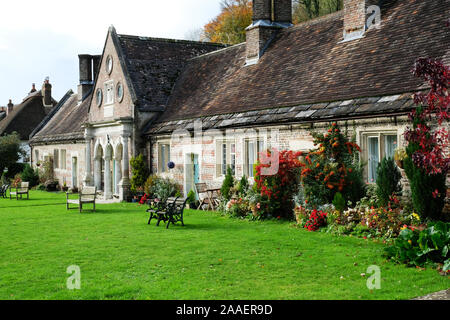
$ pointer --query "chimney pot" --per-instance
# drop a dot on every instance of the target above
(33, 88)
(9, 107)
(47, 93)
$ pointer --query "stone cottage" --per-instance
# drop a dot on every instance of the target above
(24, 117)
(204, 106)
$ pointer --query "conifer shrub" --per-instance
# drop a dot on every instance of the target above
(227, 184)
(30, 175)
(388, 181)
(139, 173)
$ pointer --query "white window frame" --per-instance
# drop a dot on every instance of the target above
(364, 143)
(257, 142)
(229, 157)
(63, 159)
(162, 161)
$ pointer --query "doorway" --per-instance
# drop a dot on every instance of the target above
(192, 172)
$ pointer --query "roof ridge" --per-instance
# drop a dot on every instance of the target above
(171, 40)
(218, 51)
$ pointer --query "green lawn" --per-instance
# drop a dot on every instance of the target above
(212, 257)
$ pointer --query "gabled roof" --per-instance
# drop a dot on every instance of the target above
(65, 124)
(309, 64)
(152, 65)
(25, 116)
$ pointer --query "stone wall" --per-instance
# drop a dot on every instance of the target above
(77, 150)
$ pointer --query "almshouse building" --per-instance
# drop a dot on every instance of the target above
(205, 107)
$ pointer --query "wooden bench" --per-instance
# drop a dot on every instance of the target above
(20, 191)
(86, 195)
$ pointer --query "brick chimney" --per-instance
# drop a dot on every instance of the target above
(47, 93)
(96, 60)
(9, 107)
(86, 75)
(269, 16)
(354, 19)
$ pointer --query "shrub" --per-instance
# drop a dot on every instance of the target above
(139, 172)
(227, 184)
(46, 173)
(238, 208)
(339, 202)
(30, 175)
(332, 168)
(16, 181)
(191, 197)
(243, 186)
(427, 190)
(278, 188)
(388, 181)
(317, 219)
(166, 188)
(416, 248)
(150, 185)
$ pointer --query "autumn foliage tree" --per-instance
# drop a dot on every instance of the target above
(332, 167)
(229, 26)
(427, 163)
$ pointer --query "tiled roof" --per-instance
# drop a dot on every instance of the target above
(25, 116)
(348, 109)
(308, 64)
(66, 123)
(153, 65)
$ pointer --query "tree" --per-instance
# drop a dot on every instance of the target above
(139, 172)
(304, 10)
(11, 152)
(427, 164)
(229, 26)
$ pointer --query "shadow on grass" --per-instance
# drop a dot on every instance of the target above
(33, 205)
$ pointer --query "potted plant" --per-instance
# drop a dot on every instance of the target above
(191, 200)
(65, 188)
(400, 155)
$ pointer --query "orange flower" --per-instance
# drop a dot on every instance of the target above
(330, 186)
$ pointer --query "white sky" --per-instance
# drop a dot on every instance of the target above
(43, 38)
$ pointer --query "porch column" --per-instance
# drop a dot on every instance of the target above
(118, 175)
(108, 191)
(124, 186)
(88, 174)
(98, 173)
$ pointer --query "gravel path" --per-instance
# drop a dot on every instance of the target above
(441, 295)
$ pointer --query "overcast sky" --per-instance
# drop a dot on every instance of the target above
(43, 38)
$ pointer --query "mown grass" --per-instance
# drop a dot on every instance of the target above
(212, 257)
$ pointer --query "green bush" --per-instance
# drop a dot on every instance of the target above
(243, 186)
(30, 175)
(166, 188)
(416, 248)
(388, 181)
(422, 188)
(339, 202)
(150, 185)
(191, 197)
(139, 172)
(227, 184)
